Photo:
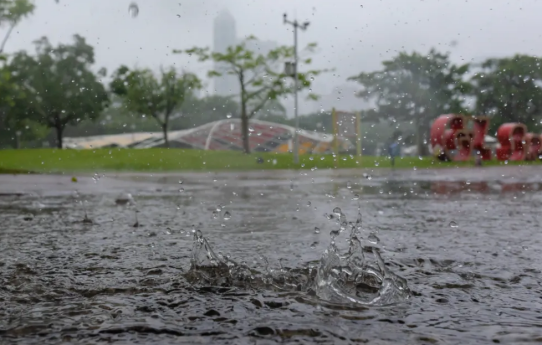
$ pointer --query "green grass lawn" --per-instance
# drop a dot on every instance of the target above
(162, 160)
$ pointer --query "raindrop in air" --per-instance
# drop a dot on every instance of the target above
(316, 230)
(133, 9)
(453, 224)
(181, 190)
(227, 215)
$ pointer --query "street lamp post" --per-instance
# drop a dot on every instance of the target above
(303, 26)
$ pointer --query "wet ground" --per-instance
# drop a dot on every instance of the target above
(467, 241)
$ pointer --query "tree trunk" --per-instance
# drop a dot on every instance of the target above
(59, 130)
(244, 128)
(164, 130)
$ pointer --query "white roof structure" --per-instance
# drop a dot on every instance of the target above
(219, 135)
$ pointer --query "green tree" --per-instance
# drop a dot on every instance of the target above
(58, 84)
(11, 13)
(8, 90)
(417, 88)
(509, 89)
(159, 98)
(259, 78)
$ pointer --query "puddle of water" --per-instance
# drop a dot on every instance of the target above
(430, 264)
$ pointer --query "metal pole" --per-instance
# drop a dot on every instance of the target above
(296, 136)
(303, 26)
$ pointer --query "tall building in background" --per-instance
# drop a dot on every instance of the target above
(224, 36)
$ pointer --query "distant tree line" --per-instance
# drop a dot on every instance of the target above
(58, 91)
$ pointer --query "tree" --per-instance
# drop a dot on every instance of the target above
(11, 12)
(509, 89)
(158, 98)
(259, 80)
(416, 88)
(8, 90)
(58, 84)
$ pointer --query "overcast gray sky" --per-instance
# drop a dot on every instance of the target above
(353, 35)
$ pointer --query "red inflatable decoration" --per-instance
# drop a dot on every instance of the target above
(453, 139)
(464, 144)
(534, 146)
(444, 135)
(511, 137)
(480, 127)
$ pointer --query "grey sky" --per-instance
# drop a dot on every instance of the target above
(353, 35)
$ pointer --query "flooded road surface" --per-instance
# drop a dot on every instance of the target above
(247, 258)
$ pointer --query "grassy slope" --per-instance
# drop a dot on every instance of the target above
(56, 161)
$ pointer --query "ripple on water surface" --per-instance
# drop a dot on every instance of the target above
(434, 262)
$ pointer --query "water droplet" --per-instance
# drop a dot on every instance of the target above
(309, 204)
(348, 185)
(180, 181)
(314, 244)
(373, 238)
(181, 190)
(316, 230)
(453, 224)
(227, 215)
(133, 9)
(250, 129)
(355, 197)
(228, 116)
(337, 211)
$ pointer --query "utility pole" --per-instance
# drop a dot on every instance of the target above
(303, 26)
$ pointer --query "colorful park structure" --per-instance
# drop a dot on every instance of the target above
(460, 137)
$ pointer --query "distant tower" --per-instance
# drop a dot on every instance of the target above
(224, 36)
